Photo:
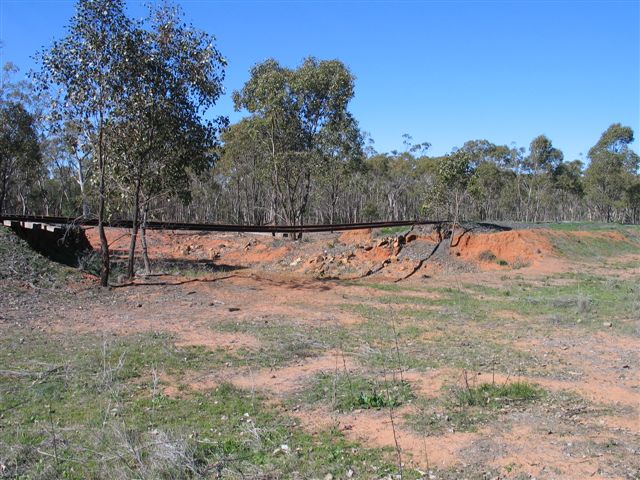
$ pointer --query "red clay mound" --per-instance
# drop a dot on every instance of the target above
(353, 237)
(258, 253)
(516, 247)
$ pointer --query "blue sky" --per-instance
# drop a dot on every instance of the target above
(444, 72)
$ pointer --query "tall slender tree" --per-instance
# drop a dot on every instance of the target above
(87, 68)
(175, 74)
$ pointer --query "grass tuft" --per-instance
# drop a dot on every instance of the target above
(347, 392)
(489, 394)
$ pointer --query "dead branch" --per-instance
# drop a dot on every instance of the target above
(183, 282)
(23, 374)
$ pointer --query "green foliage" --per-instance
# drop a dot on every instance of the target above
(492, 395)
(464, 409)
(98, 406)
(20, 263)
(302, 114)
(543, 156)
(612, 171)
(20, 155)
(452, 181)
(389, 231)
(346, 391)
(175, 73)
(596, 247)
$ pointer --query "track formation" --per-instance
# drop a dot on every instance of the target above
(23, 220)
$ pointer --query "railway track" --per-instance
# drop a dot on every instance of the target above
(48, 222)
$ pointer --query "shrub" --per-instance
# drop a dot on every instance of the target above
(487, 256)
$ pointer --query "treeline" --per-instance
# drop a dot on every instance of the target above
(479, 181)
(117, 123)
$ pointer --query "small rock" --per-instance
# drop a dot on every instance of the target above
(328, 476)
(607, 324)
(282, 449)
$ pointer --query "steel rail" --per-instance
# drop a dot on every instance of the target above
(217, 227)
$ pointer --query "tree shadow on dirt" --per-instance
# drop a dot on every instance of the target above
(312, 284)
(195, 265)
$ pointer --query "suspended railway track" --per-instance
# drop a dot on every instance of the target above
(51, 223)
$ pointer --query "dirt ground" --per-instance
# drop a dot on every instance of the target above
(261, 297)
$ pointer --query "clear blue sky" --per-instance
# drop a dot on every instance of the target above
(444, 72)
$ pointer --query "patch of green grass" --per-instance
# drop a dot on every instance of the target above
(492, 395)
(591, 226)
(451, 345)
(389, 231)
(282, 343)
(79, 408)
(345, 392)
(429, 420)
(464, 409)
(588, 301)
(595, 248)
(574, 300)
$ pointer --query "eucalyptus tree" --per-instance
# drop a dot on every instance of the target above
(452, 182)
(21, 161)
(77, 150)
(489, 163)
(633, 200)
(87, 68)
(244, 166)
(342, 151)
(612, 171)
(539, 166)
(296, 109)
(568, 190)
(20, 156)
(486, 188)
(175, 75)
